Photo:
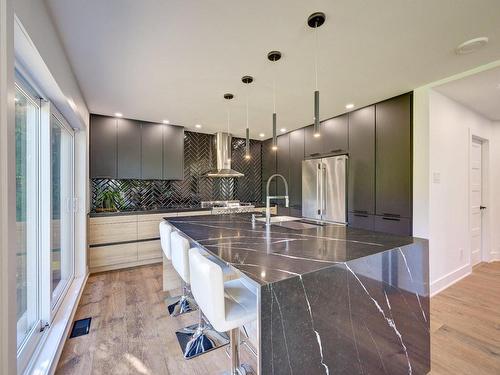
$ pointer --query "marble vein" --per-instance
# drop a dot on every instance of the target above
(390, 321)
(283, 328)
(318, 337)
(411, 279)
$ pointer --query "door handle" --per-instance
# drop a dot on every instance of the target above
(482, 207)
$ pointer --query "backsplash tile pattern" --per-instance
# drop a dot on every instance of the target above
(198, 160)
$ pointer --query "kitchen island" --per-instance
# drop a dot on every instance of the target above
(332, 299)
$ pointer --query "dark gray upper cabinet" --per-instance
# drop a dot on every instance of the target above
(334, 135)
(312, 144)
(173, 152)
(129, 149)
(393, 156)
(268, 168)
(283, 162)
(102, 147)
(152, 151)
(362, 161)
(295, 181)
(283, 168)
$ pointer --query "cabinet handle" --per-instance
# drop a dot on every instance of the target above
(360, 215)
(360, 211)
(314, 154)
(391, 218)
(391, 215)
(337, 150)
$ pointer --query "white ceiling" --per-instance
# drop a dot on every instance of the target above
(479, 92)
(156, 60)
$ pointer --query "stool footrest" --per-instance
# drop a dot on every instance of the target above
(201, 338)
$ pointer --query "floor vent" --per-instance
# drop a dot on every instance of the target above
(80, 327)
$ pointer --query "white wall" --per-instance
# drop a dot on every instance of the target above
(495, 193)
(451, 127)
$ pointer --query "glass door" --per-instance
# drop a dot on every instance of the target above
(62, 212)
(27, 123)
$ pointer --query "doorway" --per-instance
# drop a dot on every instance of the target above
(476, 201)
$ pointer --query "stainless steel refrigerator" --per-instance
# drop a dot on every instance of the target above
(324, 189)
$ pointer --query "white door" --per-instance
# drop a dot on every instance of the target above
(476, 201)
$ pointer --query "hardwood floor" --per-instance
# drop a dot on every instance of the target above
(465, 325)
(132, 334)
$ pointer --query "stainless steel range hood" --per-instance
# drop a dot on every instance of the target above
(222, 147)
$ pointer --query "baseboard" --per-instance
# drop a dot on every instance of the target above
(494, 256)
(451, 278)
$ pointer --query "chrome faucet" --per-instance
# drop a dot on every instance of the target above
(268, 198)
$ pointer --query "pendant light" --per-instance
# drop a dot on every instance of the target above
(228, 97)
(274, 56)
(314, 21)
(247, 80)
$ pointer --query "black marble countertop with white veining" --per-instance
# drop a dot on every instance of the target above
(279, 253)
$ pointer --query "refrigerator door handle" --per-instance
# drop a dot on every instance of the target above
(318, 190)
(323, 185)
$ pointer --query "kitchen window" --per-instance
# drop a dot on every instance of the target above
(44, 216)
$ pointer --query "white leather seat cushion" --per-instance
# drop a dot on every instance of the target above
(165, 233)
(227, 305)
(180, 255)
(240, 305)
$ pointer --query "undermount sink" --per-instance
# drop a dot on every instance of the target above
(290, 222)
(279, 219)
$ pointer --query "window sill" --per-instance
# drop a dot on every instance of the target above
(50, 348)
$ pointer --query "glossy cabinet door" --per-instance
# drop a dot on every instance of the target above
(393, 157)
(362, 161)
(173, 152)
(283, 168)
(103, 137)
(334, 135)
(151, 151)
(268, 168)
(295, 181)
(361, 221)
(313, 145)
(394, 225)
(128, 149)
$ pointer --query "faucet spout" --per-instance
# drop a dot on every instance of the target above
(268, 197)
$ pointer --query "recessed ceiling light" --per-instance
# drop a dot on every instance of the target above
(118, 114)
(471, 45)
(349, 106)
(262, 135)
(198, 126)
(166, 122)
(282, 130)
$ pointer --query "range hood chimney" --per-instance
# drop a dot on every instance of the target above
(222, 147)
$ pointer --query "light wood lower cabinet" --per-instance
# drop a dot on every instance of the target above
(129, 240)
(112, 255)
(106, 230)
(149, 250)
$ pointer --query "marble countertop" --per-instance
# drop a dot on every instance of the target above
(278, 253)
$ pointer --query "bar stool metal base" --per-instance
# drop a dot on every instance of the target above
(181, 305)
(237, 368)
(200, 338)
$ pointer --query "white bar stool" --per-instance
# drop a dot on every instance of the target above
(165, 241)
(180, 260)
(227, 305)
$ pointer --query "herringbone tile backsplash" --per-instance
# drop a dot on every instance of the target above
(198, 160)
